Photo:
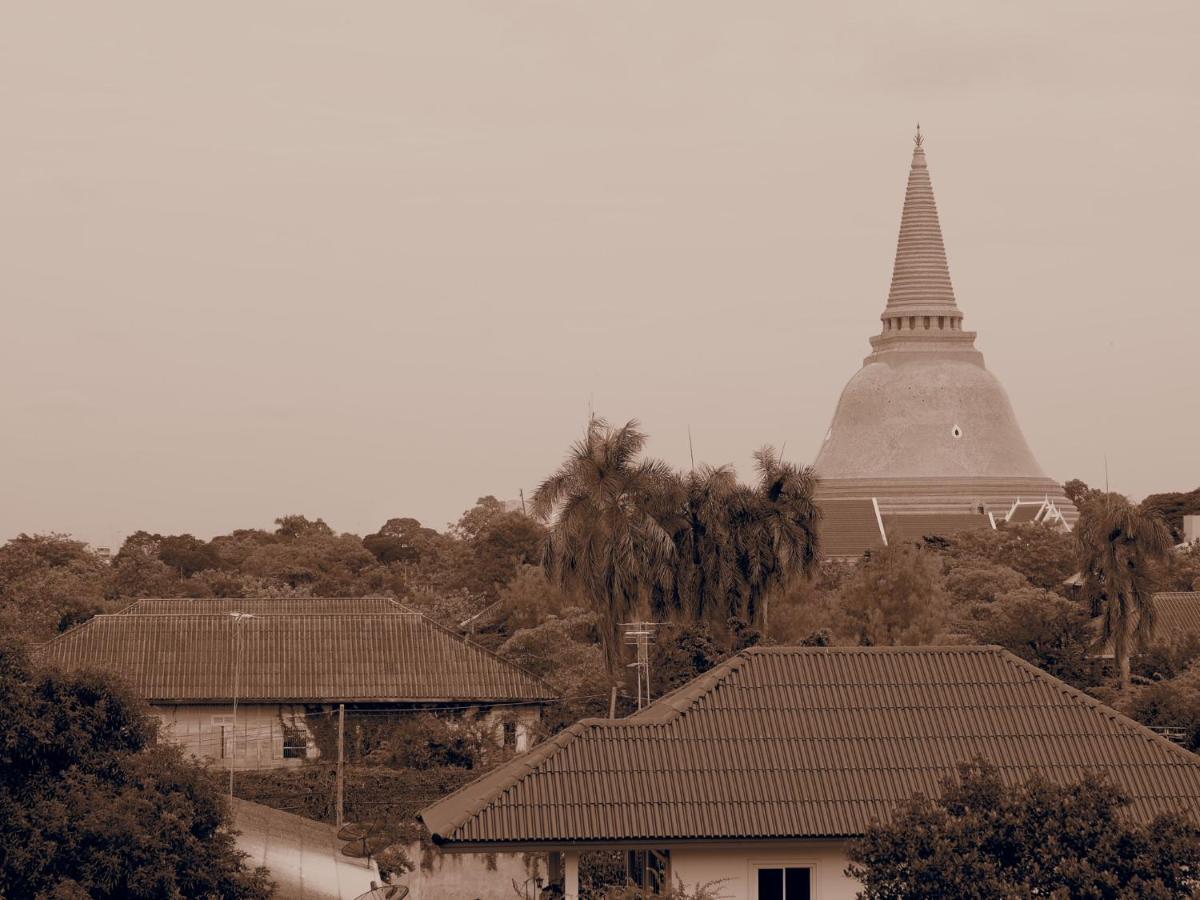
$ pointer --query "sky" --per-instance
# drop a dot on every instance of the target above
(379, 259)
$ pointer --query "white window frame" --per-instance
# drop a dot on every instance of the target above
(790, 862)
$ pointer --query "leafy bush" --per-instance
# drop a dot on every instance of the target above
(985, 839)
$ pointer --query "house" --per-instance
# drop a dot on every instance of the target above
(241, 680)
(758, 772)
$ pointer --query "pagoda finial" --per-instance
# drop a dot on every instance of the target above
(919, 139)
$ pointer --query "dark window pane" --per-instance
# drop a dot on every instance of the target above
(799, 884)
(770, 884)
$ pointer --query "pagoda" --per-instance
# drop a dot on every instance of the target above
(923, 428)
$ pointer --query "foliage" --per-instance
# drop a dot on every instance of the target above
(500, 542)
(680, 653)
(528, 598)
(90, 807)
(1079, 493)
(895, 597)
(407, 739)
(978, 581)
(48, 582)
(1173, 507)
(1039, 626)
(1174, 703)
(984, 839)
(1182, 572)
(1044, 554)
(606, 547)
(565, 651)
(1120, 545)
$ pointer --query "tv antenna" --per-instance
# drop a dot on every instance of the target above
(639, 635)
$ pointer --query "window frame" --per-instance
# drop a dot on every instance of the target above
(781, 862)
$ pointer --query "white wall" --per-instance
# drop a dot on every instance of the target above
(699, 864)
(255, 740)
(440, 876)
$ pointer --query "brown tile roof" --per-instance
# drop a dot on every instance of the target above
(294, 657)
(805, 742)
(849, 527)
(267, 606)
(910, 528)
(1178, 614)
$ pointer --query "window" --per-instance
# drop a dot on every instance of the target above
(783, 882)
(295, 741)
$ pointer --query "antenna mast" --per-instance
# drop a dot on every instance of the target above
(639, 635)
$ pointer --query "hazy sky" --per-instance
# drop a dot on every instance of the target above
(362, 260)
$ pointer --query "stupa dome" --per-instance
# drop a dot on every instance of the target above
(923, 427)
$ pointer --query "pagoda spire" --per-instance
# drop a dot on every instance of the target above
(920, 304)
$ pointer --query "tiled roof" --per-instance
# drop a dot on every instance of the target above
(807, 742)
(293, 657)
(267, 606)
(849, 527)
(1025, 512)
(910, 528)
(1178, 614)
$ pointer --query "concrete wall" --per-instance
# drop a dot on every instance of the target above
(697, 864)
(486, 876)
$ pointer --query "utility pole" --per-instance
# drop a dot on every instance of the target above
(341, 755)
(236, 644)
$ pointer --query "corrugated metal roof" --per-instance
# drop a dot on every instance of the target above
(790, 742)
(189, 657)
(914, 527)
(849, 527)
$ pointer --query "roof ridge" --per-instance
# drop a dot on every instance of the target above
(1109, 712)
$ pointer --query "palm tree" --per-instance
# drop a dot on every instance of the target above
(1119, 546)
(775, 533)
(605, 544)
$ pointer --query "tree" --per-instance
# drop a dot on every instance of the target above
(48, 581)
(400, 540)
(605, 545)
(985, 840)
(1079, 493)
(295, 526)
(1040, 626)
(91, 807)
(498, 548)
(187, 554)
(895, 597)
(1173, 507)
(1120, 545)
(477, 518)
(1045, 555)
